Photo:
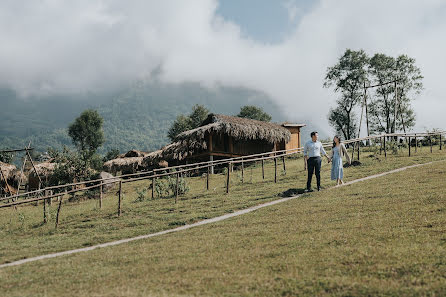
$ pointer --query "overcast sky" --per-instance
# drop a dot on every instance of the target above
(282, 48)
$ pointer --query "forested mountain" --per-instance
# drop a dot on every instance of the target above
(136, 117)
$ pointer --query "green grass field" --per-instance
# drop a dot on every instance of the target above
(379, 237)
(84, 224)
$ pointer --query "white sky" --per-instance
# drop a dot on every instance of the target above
(66, 46)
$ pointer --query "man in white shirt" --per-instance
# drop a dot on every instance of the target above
(313, 150)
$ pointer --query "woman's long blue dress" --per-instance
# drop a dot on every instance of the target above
(337, 170)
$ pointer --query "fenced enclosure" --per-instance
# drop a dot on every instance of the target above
(238, 166)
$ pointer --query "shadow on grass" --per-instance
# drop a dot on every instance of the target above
(292, 192)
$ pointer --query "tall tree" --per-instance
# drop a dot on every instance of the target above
(87, 133)
(389, 113)
(347, 77)
(183, 123)
(198, 115)
(254, 112)
(340, 121)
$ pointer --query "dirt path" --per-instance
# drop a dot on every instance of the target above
(204, 222)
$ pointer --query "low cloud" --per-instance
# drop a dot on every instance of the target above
(72, 46)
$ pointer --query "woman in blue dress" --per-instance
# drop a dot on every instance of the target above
(337, 170)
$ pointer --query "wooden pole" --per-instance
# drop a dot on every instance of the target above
(380, 145)
(176, 187)
(359, 146)
(58, 211)
(284, 166)
(396, 108)
(228, 178)
(409, 146)
(119, 198)
(32, 163)
(416, 143)
(45, 219)
(243, 172)
(263, 169)
(207, 179)
(22, 170)
(385, 150)
(440, 142)
(275, 170)
(366, 115)
(100, 195)
(353, 151)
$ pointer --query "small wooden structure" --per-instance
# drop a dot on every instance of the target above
(222, 136)
(134, 161)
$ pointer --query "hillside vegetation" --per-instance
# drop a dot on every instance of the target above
(137, 117)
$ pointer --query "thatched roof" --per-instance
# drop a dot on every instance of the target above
(44, 169)
(191, 141)
(135, 153)
(8, 170)
(182, 149)
(153, 158)
(123, 164)
(238, 128)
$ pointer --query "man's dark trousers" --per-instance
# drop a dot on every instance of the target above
(314, 165)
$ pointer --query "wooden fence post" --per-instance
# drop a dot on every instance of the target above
(228, 178)
(263, 168)
(58, 211)
(45, 208)
(416, 143)
(440, 142)
(275, 169)
(207, 179)
(385, 150)
(119, 198)
(284, 167)
(380, 145)
(353, 151)
(100, 195)
(176, 187)
(359, 146)
(50, 192)
(409, 146)
(243, 172)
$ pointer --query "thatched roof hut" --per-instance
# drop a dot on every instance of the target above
(123, 165)
(7, 170)
(227, 136)
(44, 169)
(238, 128)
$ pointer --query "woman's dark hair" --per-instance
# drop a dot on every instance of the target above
(339, 138)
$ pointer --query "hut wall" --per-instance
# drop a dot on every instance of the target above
(250, 147)
(295, 138)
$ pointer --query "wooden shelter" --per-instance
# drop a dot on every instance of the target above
(134, 161)
(44, 171)
(7, 175)
(222, 136)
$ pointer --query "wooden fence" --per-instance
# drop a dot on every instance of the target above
(47, 193)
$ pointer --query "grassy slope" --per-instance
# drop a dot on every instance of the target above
(383, 237)
(84, 224)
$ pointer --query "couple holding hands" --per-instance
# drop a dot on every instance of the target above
(313, 150)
